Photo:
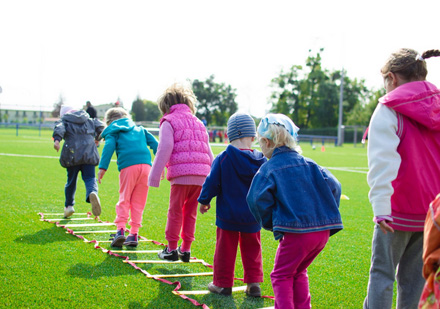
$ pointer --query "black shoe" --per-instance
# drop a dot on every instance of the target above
(183, 256)
(118, 238)
(131, 241)
(168, 255)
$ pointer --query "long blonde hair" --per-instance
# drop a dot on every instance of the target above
(177, 94)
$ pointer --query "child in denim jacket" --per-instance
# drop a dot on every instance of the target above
(298, 201)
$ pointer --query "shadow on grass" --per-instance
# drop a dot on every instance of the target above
(105, 269)
(237, 300)
(164, 299)
(45, 236)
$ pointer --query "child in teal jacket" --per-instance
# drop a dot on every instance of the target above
(131, 144)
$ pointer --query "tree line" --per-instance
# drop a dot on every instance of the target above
(308, 94)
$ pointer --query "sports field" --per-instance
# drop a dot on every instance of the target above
(43, 266)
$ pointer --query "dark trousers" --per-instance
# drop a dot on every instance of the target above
(88, 176)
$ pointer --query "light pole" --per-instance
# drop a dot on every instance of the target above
(1, 106)
(341, 97)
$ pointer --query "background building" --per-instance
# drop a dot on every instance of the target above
(25, 115)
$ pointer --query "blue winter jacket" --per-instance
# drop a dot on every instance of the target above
(229, 180)
(291, 193)
(130, 143)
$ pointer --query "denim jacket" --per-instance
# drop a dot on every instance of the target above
(291, 193)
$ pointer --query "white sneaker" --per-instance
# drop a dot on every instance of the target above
(68, 211)
(96, 204)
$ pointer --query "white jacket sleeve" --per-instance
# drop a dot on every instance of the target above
(383, 158)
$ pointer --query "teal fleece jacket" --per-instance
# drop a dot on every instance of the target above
(130, 142)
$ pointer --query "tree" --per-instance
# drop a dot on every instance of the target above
(310, 95)
(361, 113)
(57, 107)
(138, 110)
(286, 93)
(215, 102)
(152, 112)
(144, 110)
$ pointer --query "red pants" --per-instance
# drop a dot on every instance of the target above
(226, 254)
(289, 276)
(182, 215)
(133, 192)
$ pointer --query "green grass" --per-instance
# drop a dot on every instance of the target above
(42, 266)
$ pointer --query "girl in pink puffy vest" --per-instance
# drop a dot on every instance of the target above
(185, 152)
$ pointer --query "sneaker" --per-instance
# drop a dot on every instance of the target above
(68, 211)
(96, 204)
(118, 238)
(168, 255)
(218, 290)
(183, 255)
(253, 289)
(131, 241)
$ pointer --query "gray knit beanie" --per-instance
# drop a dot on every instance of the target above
(241, 125)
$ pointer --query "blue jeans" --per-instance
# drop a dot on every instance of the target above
(402, 251)
(88, 176)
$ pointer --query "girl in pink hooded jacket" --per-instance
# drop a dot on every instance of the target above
(185, 152)
(403, 160)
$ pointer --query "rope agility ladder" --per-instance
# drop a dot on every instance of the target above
(69, 227)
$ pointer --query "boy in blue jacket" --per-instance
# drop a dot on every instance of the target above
(231, 175)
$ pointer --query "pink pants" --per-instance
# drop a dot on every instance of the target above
(133, 192)
(182, 216)
(289, 276)
(226, 253)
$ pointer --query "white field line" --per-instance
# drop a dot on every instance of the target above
(344, 169)
(31, 156)
(27, 156)
(361, 170)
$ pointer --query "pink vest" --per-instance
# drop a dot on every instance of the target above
(190, 154)
(418, 180)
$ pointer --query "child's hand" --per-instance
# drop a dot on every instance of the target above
(204, 208)
(162, 176)
(101, 174)
(385, 227)
(56, 145)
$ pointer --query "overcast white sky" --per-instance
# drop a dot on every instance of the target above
(104, 50)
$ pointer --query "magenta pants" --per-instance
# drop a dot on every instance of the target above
(133, 192)
(226, 253)
(289, 275)
(182, 216)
